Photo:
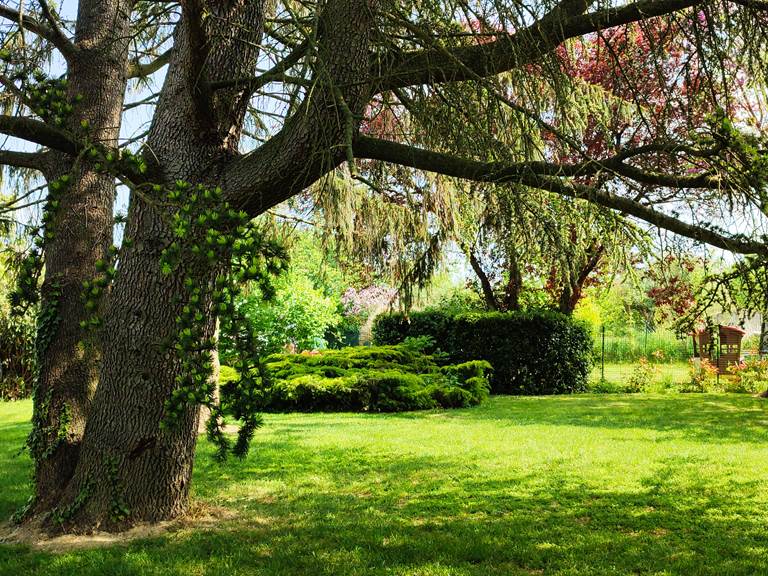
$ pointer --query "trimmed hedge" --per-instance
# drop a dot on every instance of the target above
(535, 353)
(371, 379)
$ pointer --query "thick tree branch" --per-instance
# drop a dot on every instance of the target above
(54, 35)
(493, 172)
(509, 51)
(276, 73)
(197, 43)
(138, 69)
(22, 159)
(61, 41)
(312, 142)
(39, 133)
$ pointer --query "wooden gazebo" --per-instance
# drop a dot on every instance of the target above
(729, 350)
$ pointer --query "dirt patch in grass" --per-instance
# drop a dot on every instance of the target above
(199, 516)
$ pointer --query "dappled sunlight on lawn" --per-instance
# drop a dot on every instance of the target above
(559, 485)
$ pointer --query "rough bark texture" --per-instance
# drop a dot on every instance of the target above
(126, 461)
(83, 233)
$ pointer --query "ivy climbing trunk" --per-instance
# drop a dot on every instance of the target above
(81, 235)
(130, 470)
(128, 466)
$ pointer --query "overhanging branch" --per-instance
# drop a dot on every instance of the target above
(39, 133)
(32, 160)
(509, 51)
(494, 172)
(54, 35)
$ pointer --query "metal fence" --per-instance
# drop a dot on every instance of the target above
(657, 358)
(625, 358)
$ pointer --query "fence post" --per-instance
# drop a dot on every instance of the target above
(645, 341)
(717, 361)
(602, 354)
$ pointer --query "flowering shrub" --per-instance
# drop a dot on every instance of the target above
(748, 376)
(363, 301)
(641, 377)
(703, 376)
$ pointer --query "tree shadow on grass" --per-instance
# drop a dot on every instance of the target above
(335, 513)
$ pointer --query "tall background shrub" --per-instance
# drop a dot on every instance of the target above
(533, 352)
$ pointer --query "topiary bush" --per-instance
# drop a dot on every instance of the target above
(372, 379)
(538, 352)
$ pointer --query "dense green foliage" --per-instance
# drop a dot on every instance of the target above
(305, 312)
(371, 379)
(215, 235)
(17, 356)
(537, 352)
(563, 486)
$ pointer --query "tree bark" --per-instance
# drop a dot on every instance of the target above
(129, 470)
(127, 463)
(485, 283)
(68, 369)
(573, 287)
(514, 282)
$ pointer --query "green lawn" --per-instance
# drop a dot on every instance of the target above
(667, 484)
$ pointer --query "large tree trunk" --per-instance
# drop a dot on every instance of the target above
(68, 369)
(128, 467)
(129, 470)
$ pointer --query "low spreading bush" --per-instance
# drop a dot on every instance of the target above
(537, 352)
(373, 379)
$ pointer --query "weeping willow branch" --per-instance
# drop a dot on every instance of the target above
(39, 133)
(53, 34)
(433, 65)
(495, 172)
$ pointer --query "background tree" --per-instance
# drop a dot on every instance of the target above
(258, 102)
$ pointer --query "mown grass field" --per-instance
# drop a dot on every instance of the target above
(579, 485)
